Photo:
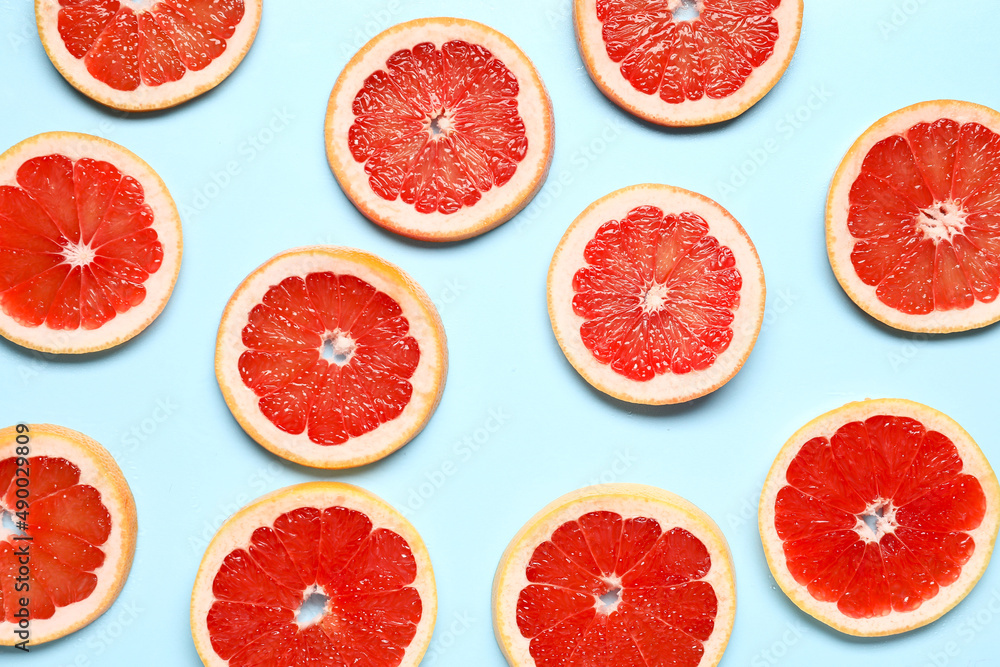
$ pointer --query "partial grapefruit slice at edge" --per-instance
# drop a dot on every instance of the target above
(153, 194)
(640, 504)
(704, 110)
(841, 244)
(254, 523)
(809, 442)
(98, 470)
(122, 32)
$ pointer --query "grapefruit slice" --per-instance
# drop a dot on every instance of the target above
(656, 295)
(686, 62)
(139, 55)
(79, 534)
(90, 243)
(439, 129)
(615, 575)
(878, 517)
(321, 573)
(331, 357)
(913, 218)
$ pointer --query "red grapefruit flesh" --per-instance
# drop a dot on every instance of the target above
(90, 243)
(879, 517)
(912, 227)
(687, 62)
(656, 295)
(139, 56)
(331, 357)
(439, 129)
(616, 574)
(73, 518)
(331, 541)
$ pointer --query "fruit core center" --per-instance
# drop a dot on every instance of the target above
(78, 254)
(8, 525)
(314, 606)
(608, 602)
(877, 520)
(337, 348)
(654, 298)
(686, 10)
(439, 124)
(942, 221)
(140, 5)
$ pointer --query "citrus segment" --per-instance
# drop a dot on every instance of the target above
(74, 520)
(910, 222)
(615, 575)
(89, 242)
(882, 515)
(439, 129)
(373, 357)
(329, 541)
(330, 356)
(658, 294)
(681, 62)
(149, 55)
(648, 290)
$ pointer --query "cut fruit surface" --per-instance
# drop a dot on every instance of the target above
(66, 508)
(439, 129)
(137, 55)
(912, 222)
(879, 517)
(331, 357)
(656, 295)
(329, 546)
(687, 62)
(90, 243)
(615, 575)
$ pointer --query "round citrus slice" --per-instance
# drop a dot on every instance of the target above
(656, 295)
(90, 243)
(879, 517)
(331, 357)
(439, 129)
(67, 532)
(913, 218)
(687, 62)
(138, 55)
(321, 573)
(615, 575)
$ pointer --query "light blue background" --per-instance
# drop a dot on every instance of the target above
(155, 404)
